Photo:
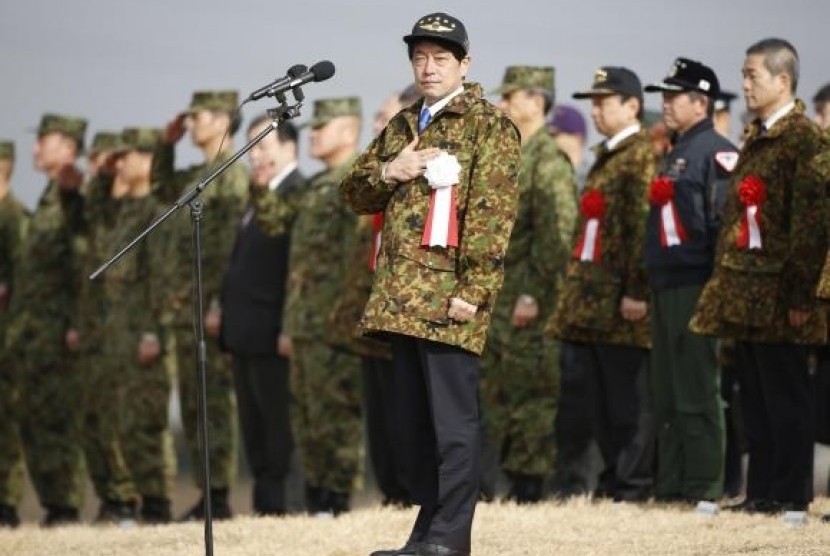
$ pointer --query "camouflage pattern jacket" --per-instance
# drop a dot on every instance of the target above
(47, 276)
(413, 284)
(752, 289)
(225, 200)
(588, 309)
(540, 243)
(322, 239)
(14, 218)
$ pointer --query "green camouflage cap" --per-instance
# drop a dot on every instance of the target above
(221, 101)
(104, 141)
(6, 150)
(526, 77)
(139, 139)
(325, 110)
(68, 125)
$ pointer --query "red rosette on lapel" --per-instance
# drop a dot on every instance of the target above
(592, 206)
(661, 195)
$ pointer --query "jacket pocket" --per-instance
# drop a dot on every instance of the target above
(755, 284)
(430, 281)
(590, 297)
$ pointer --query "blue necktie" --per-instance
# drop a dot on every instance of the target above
(424, 119)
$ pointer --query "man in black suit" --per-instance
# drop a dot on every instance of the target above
(252, 301)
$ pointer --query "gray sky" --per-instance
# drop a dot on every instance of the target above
(136, 62)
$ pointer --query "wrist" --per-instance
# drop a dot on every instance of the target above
(384, 177)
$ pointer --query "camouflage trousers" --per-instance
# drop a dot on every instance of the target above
(221, 408)
(12, 469)
(326, 416)
(519, 395)
(50, 423)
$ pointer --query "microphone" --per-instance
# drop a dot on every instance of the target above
(270, 89)
(297, 76)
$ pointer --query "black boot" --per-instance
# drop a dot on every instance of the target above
(60, 515)
(220, 507)
(525, 489)
(8, 516)
(315, 500)
(155, 510)
(338, 502)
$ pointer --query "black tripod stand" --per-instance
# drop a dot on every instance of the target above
(283, 112)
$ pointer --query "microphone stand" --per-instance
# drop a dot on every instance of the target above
(283, 112)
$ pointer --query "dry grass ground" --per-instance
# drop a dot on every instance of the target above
(579, 528)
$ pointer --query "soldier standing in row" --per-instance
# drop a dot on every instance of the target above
(325, 378)
(686, 202)
(253, 297)
(41, 336)
(445, 174)
(14, 218)
(98, 155)
(520, 365)
(212, 119)
(762, 293)
(602, 309)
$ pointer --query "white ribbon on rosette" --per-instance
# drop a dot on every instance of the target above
(754, 228)
(442, 175)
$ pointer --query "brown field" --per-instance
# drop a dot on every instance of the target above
(577, 528)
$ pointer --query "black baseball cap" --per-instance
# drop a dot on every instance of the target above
(688, 75)
(441, 28)
(614, 80)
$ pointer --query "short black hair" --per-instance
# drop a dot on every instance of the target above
(456, 50)
(780, 56)
(822, 97)
(641, 110)
(286, 131)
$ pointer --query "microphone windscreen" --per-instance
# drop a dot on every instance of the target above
(296, 71)
(322, 70)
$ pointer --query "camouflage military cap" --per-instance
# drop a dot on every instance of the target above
(104, 141)
(139, 139)
(67, 125)
(6, 150)
(325, 110)
(220, 101)
(526, 77)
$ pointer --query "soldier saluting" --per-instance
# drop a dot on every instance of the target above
(444, 172)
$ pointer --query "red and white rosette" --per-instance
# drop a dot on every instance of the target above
(592, 206)
(377, 227)
(441, 228)
(752, 192)
(661, 195)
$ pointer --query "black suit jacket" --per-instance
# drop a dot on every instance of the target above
(253, 289)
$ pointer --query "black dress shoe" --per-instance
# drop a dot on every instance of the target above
(409, 549)
(427, 549)
(825, 518)
(8, 516)
(60, 515)
(748, 506)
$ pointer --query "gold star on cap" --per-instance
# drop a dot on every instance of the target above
(600, 76)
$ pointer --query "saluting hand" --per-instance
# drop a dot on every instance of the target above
(409, 164)
(175, 129)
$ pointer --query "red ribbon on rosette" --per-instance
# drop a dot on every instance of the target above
(441, 228)
(592, 206)
(752, 192)
(377, 226)
(661, 194)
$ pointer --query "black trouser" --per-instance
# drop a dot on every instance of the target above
(621, 420)
(821, 387)
(261, 383)
(380, 409)
(777, 407)
(436, 387)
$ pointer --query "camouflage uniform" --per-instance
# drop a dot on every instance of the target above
(325, 378)
(224, 203)
(520, 370)
(47, 281)
(103, 142)
(439, 425)
(783, 171)
(608, 348)
(14, 218)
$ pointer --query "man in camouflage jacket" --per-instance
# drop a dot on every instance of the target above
(602, 311)
(762, 292)
(445, 174)
(520, 367)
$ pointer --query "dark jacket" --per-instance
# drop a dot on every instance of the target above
(700, 165)
(253, 290)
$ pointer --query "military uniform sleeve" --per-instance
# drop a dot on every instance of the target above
(554, 217)
(168, 184)
(362, 188)
(635, 280)
(490, 213)
(808, 231)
